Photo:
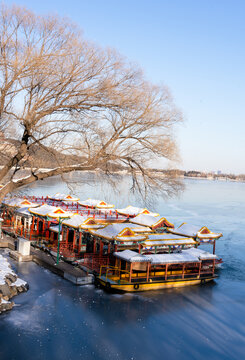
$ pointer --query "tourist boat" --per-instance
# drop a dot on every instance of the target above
(135, 272)
(118, 237)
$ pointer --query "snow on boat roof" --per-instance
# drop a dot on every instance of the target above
(167, 236)
(129, 210)
(149, 220)
(89, 202)
(10, 202)
(95, 203)
(43, 210)
(116, 230)
(186, 230)
(174, 258)
(70, 198)
(57, 196)
(63, 197)
(55, 228)
(131, 256)
(75, 221)
(195, 231)
(134, 211)
(202, 254)
(23, 211)
(60, 213)
(20, 203)
(181, 242)
(186, 256)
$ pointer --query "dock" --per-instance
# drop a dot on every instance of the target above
(69, 272)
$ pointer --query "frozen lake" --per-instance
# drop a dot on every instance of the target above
(56, 320)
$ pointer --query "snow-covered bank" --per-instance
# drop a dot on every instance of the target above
(10, 285)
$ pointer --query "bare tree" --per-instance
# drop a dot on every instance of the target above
(66, 96)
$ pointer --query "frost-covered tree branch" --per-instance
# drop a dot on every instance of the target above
(68, 97)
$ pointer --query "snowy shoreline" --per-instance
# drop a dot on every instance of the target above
(10, 285)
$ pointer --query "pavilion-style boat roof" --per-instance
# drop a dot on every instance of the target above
(121, 232)
(164, 239)
(57, 196)
(195, 232)
(82, 222)
(43, 210)
(186, 256)
(23, 212)
(96, 204)
(152, 221)
(63, 197)
(20, 203)
(59, 213)
(70, 198)
(134, 211)
(75, 221)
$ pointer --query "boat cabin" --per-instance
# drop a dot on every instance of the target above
(137, 272)
(165, 243)
(120, 236)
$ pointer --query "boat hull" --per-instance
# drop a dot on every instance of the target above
(137, 287)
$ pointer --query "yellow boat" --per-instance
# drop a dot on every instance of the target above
(136, 272)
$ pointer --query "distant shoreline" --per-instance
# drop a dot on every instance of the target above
(194, 175)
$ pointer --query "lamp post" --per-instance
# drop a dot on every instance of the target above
(61, 215)
(1, 220)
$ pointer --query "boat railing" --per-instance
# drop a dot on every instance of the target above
(115, 271)
(95, 261)
(166, 273)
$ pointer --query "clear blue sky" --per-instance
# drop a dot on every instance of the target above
(196, 47)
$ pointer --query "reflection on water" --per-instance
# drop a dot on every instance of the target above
(56, 320)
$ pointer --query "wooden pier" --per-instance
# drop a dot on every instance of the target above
(67, 271)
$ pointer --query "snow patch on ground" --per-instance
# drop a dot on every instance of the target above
(5, 269)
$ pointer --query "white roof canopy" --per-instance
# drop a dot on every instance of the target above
(96, 204)
(20, 203)
(75, 221)
(169, 242)
(186, 256)
(43, 210)
(148, 220)
(134, 211)
(195, 231)
(119, 231)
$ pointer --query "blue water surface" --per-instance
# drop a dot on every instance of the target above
(57, 320)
